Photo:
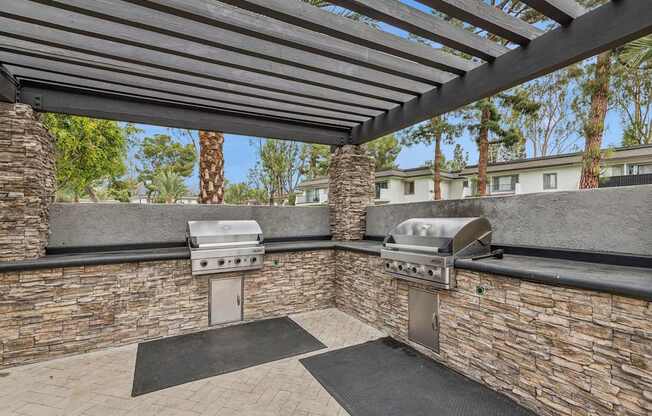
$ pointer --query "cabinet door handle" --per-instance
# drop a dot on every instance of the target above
(237, 299)
(435, 321)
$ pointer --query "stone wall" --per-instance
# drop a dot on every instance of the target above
(351, 190)
(50, 313)
(558, 351)
(26, 183)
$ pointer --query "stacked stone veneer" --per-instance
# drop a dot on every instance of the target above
(556, 350)
(26, 182)
(351, 190)
(50, 313)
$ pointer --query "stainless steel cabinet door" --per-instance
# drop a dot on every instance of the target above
(225, 300)
(423, 310)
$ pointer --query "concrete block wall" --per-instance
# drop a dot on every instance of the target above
(610, 219)
(26, 183)
(89, 225)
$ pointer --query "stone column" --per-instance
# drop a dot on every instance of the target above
(351, 191)
(27, 182)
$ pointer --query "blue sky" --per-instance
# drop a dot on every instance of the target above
(240, 155)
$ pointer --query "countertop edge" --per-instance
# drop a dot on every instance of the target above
(366, 247)
(554, 279)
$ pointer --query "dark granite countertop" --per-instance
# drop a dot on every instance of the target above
(624, 280)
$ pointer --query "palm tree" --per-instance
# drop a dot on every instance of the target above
(639, 52)
(168, 187)
(211, 167)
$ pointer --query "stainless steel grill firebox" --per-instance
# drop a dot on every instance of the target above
(224, 246)
(424, 249)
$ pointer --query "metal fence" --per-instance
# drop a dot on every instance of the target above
(626, 180)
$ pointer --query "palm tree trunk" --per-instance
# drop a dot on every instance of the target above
(437, 161)
(594, 126)
(483, 150)
(211, 167)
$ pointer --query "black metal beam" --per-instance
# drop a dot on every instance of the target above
(137, 110)
(309, 17)
(106, 87)
(561, 11)
(243, 21)
(8, 85)
(425, 25)
(604, 28)
(489, 18)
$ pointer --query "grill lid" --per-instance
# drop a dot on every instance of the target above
(213, 234)
(451, 236)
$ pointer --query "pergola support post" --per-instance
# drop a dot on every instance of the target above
(351, 191)
(27, 184)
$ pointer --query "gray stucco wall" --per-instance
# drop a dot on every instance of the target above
(610, 219)
(87, 225)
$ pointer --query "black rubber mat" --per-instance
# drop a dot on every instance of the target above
(388, 378)
(177, 360)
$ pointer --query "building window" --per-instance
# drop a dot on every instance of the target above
(617, 170)
(640, 169)
(312, 195)
(549, 181)
(379, 187)
(408, 188)
(504, 183)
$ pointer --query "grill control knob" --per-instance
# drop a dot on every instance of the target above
(203, 263)
(220, 263)
(400, 267)
(388, 265)
(414, 269)
(253, 259)
(431, 273)
(238, 261)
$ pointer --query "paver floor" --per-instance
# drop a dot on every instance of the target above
(99, 383)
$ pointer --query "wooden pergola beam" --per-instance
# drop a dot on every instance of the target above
(561, 11)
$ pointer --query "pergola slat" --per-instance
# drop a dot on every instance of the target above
(103, 48)
(487, 17)
(425, 25)
(108, 86)
(604, 28)
(7, 85)
(245, 22)
(95, 29)
(49, 55)
(254, 46)
(57, 70)
(309, 17)
(561, 11)
(132, 109)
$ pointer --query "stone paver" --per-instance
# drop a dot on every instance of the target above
(99, 384)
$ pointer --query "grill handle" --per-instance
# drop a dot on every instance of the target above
(408, 247)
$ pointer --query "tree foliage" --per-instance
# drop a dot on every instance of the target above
(384, 150)
(242, 194)
(168, 186)
(278, 169)
(316, 159)
(161, 153)
(88, 151)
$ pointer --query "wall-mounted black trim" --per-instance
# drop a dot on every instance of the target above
(374, 237)
(301, 238)
(57, 251)
(617, 259)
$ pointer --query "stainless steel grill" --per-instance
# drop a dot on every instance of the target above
(424, 249)
(224, 246)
